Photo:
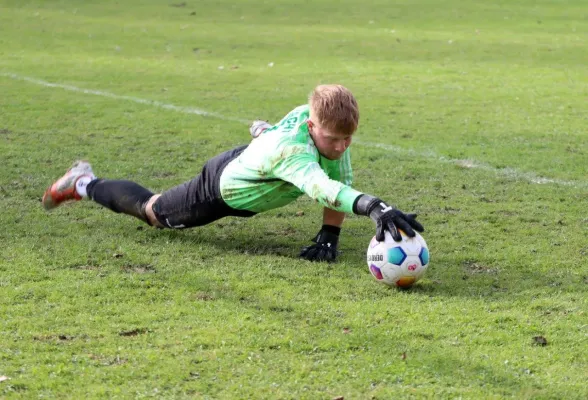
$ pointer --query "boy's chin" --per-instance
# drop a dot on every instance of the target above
(332, 157)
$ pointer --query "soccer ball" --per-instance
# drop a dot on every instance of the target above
(398, 263)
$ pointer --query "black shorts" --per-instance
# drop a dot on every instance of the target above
(198, 202)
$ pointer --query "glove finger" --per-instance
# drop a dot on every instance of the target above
(403, 224)
(390, 227)
(417, 226)
(321, 254)
(411, 218)
(304, 251)
(380, 232)
(312, 253)
(308, 252)
(331, 255)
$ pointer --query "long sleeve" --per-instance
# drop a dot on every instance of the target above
(299, 168)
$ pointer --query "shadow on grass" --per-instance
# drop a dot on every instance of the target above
(238, 242)
(466, 279)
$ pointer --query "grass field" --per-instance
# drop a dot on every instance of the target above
(473, 114)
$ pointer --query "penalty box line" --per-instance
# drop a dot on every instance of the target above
(465, 163)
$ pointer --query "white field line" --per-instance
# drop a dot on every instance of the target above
(507, 172)
(186, 110)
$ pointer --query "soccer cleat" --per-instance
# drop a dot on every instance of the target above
(64, 189)
(258, 127)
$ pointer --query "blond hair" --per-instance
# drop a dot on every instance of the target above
(334, 108)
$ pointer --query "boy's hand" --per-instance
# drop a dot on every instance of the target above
(391, 220)
(387, 218)
(325, 248)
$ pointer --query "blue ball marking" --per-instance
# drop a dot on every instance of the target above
(396, 255)
(424, 256)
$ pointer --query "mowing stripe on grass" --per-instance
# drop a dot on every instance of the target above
(468, 163)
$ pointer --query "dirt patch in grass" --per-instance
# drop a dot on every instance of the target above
(139, 268)
(478, 268)
(134, 332)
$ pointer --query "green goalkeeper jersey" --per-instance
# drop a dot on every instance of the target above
(282, 164)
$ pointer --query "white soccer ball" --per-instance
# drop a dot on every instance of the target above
(398, 264)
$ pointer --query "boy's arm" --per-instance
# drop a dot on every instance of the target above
(333, 217)
(327, 239)
(294, 165)
(339, 170)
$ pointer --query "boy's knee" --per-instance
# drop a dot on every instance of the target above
(151, 217)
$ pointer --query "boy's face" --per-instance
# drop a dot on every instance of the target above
(331, 145)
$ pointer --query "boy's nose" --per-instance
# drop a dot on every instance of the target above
(341, 147)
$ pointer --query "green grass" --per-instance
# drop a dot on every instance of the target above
(464, 106)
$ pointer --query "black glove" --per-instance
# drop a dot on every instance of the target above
(387, 218)
(325, 248)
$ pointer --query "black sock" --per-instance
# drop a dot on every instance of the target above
(120, 196)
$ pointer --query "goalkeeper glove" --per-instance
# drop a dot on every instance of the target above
(387, 218)
(325, 248)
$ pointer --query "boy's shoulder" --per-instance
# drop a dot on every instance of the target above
(293, 120)
(291, 129)
(301, 111)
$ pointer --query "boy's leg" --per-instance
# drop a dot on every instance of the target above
(120, 196)
(197, 202)
(193, 203)
(79, 182)
(190, 204)
(151, 217)
(71, 186)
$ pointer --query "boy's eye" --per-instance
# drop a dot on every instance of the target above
(338, 139)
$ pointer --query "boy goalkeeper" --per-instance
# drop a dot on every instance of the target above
(307, 152)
